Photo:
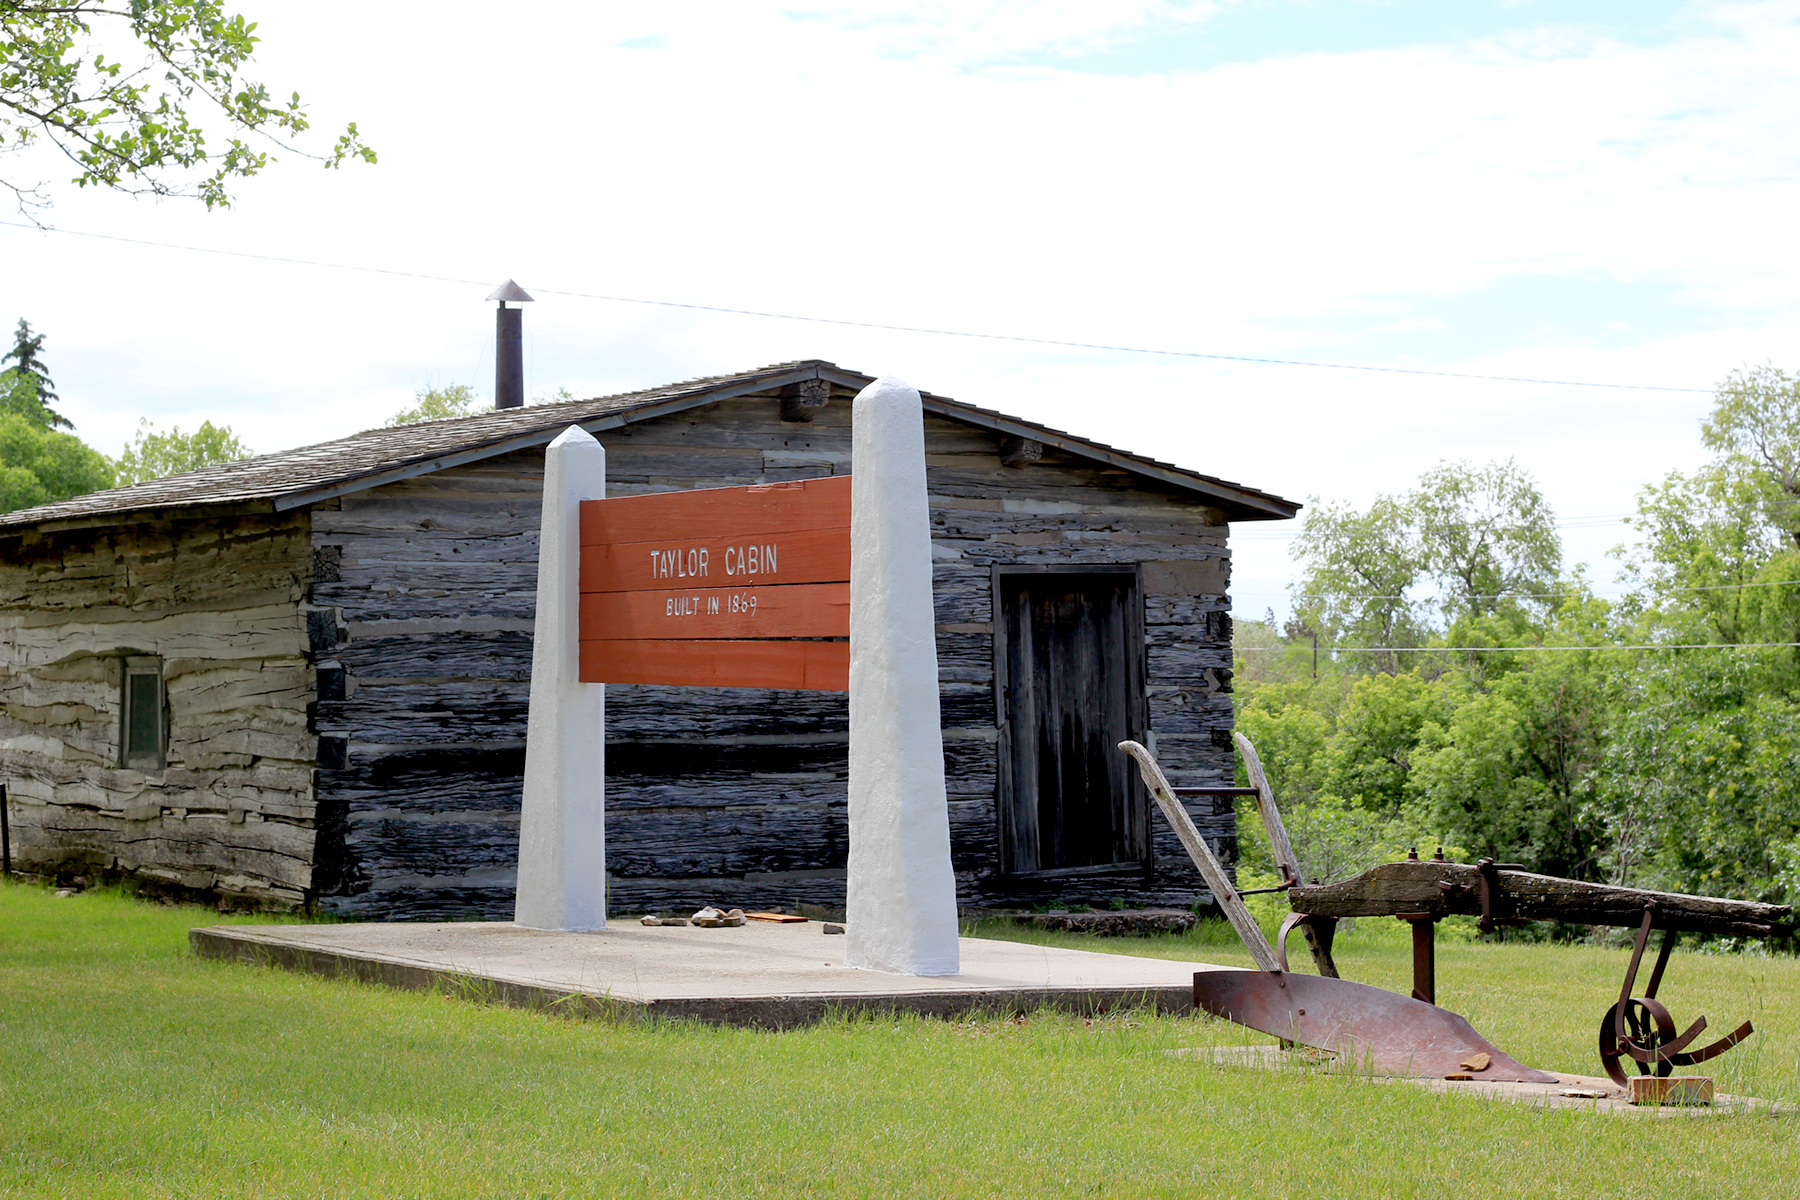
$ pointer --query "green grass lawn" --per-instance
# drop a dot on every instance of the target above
(130, 1068)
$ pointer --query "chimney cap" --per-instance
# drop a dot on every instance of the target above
(509, 291)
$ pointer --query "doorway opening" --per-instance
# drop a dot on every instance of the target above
(1069, 682)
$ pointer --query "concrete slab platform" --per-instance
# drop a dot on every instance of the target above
(761, 974)
(1591, 1092)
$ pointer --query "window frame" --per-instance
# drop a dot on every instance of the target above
(139, 666)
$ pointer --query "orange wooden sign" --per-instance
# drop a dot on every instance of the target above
(814, 666)
(720, 587)
(760, 508)
(808, 556)
(799, 610)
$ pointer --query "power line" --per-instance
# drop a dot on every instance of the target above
(1475, 649)
(777, 316)
(1698, 587)
(1599, 521)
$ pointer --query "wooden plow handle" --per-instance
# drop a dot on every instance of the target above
(1285, 858)
(1247, 929)
(1318, 931)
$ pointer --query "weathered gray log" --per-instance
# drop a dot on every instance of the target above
(1409, 887)
(461, 656)
(1193, 712)
(965, 657)
(429, 714)
(962, 593)
(1188, 661)
(655, 713)
(1210, 613)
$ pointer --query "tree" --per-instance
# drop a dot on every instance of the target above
(39, 465)
(1720, 545)
(1483, 537)
(1487, 536)
(144, 129)
(152, 455)
(1701, 781)
(26, 384)
(1672, 768)
(19, 396)
(1756, 420)
(437, 404)
(1510, 772)
(1359, 566)
(1369, 756)
(1706, 539)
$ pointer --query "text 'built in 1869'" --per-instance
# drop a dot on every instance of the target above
(721, 587)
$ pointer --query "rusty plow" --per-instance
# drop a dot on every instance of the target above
(1410, 1034)
(1377, 1030)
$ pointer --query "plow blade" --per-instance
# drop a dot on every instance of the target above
(1378, 1030)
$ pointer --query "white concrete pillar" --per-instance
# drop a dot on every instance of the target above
(901, 899)
(562, 828)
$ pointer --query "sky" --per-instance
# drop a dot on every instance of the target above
(1583, 190)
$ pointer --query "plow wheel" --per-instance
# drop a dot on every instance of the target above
(1644, 1026)
(1645, 1033)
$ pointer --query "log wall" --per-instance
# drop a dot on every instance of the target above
(219, 601)
(422, 600)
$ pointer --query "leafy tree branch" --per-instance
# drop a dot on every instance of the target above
(143, 130)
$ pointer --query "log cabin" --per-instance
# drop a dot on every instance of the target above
(299, 681)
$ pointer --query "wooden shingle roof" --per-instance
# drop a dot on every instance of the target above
(292, 478)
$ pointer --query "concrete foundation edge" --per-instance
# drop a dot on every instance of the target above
(760, 1012)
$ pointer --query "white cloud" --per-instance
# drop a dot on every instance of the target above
(965, 31)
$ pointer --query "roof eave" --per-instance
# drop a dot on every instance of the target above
(539, 437)
(1238, 503)
(208, 509)
(1242, 504)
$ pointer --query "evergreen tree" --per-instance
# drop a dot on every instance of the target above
(27, 366)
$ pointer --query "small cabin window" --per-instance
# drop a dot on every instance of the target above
(141, 725)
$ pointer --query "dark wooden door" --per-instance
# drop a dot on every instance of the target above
(1070, 673)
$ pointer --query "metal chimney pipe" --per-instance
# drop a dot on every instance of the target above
(509, 358)
(509, 351)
